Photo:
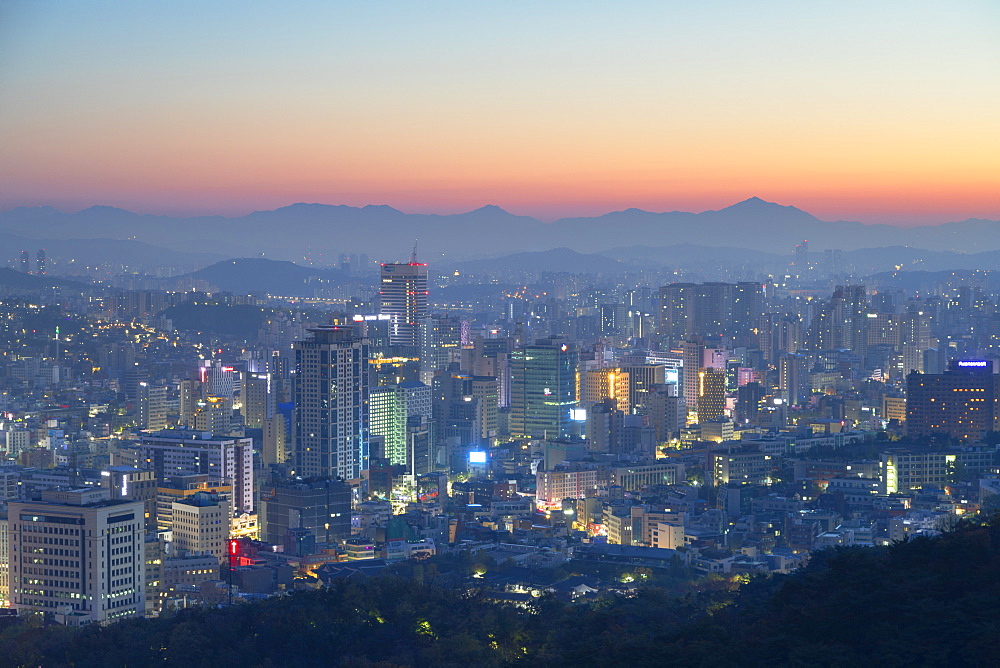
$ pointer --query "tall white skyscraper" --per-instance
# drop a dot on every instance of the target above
(403, 297)
(330, 420)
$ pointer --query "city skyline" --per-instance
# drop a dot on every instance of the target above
(869, 113)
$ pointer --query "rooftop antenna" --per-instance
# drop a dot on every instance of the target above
(413, 257)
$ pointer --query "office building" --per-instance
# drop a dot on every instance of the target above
(322, 506)
(200, 524)
(403, 297)
(181, 488)
(330, 418)
(711, 394)
(960, 403)
(258, 399)
(77, 555)
(641, 377)
(152, 407)
(597, 385)
(543, 388)
(182, 452)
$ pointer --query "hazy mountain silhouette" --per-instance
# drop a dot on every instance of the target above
(691, 255)
(71, 252)
(555, 260)
(322, 231)
(262, 276)
(862, 260)
(16, 281)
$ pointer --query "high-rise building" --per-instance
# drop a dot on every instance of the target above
(801, 261)
(40, 262)
(793, 378)
(543, 388)
(330, 419)
(666, 410)
(748, 306)
(403, 296)
(842, 322)
(275, 448)
(692, 355)
(25, 262)
(710, 309)
(711, 394)
(440, 344)
(179, 452)
(677, 307)
(214, 415)
(152, 407)
(259, 399)
(641, 377)
(387, 418)
(604, 426)
(609, 383)
(390, 407)
(77, 554)
(219, 379)
(960, 403)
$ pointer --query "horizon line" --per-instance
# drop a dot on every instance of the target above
(545, 220)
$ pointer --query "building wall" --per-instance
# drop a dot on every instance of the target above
(87, 559)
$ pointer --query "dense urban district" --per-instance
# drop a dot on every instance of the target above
(267, 463)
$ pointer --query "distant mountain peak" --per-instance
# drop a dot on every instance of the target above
(105, 209)
(384, 208)
(491, 208)
(757, 205)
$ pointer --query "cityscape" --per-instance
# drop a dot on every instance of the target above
(453, 417)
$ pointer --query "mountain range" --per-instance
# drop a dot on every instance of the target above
(263, 276)
(318, 233)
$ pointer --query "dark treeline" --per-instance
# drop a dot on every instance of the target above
(930, 601)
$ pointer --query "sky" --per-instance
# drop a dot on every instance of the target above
(873, 111)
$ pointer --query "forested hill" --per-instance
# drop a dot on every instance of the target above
(925, 602)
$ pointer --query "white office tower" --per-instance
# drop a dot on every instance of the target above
(77, 555)
(403, 297)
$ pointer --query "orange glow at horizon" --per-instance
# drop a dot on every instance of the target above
(865, 113)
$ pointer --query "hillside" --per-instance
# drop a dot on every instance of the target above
(265, 277)
(925, 602)
(16, 281)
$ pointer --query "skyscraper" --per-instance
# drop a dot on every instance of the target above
(711, 394)
(390, 407)
(403, 297)
(330, 419)
(543, 388)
